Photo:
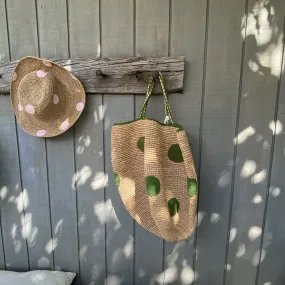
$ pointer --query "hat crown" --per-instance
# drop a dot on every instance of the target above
(36, 91)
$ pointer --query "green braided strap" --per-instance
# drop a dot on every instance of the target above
(150, 86)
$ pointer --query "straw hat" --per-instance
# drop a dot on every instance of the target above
(46, 98)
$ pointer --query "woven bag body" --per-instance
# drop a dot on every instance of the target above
(155, 174)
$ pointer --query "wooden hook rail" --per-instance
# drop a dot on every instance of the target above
(114, 75)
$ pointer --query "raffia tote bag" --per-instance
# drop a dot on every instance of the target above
(155, 173)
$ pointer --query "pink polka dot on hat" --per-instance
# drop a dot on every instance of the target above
(46, 98)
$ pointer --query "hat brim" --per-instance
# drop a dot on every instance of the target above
(71, 95)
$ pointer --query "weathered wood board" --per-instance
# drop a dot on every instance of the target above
(114, 75)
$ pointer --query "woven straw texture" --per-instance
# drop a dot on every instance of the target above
(46, 98)
(133, 163)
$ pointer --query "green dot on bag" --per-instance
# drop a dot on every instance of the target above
(140, 143)
(173, 206)
(192, 186)
(175, 153)
(117, 179)
(152, 185)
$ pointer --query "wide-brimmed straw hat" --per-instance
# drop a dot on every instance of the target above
(46, 98)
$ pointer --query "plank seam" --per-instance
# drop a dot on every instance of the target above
(9, 51)
(235, 146)
(67, 27)
(168, 53)
(201, 129)
(37, 28)
(103, 141)
(49, 204)
(271, 159)
(134, 117)
(8, 30)
(21, 185)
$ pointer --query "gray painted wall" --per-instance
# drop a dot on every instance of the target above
(60, 208)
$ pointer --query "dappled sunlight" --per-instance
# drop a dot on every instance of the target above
(21, 201)
(259, 177)
(105, 213)
(275, 191)
(16, 242)
(169, 275)
(97, 236)
(225, 178)
(98, 50)
(215, 217)
(113, 279)
(99, 181)
(128, 248)
(81, 176)
(233, 234)
(241, 250)
(3, 192)
(29, 231)
(228, 267)
(257, 199)
(262, 24)
(82, 252)
(244, 135)
(258, 257)
(67, 65)
(83, 142)
(52, 244)
(200, 217)
(248, 168)
(187, 274)
(43, 262)
(276, 127)
(99, 113)
(82, 219)
(254, 233)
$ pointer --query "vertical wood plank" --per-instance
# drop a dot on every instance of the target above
(32, 154)
(152, 31)
(117, 40)
(272, 263)
(84, 30)
(12, 200)
(221, 91)
(60, 150)
(187, 26)
(90, 176)
(257, 109)
(4, 55)
(4, 45)
(22, 42)
(32, 157)
(52, 25)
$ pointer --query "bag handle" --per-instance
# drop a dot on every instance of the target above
(150, 86)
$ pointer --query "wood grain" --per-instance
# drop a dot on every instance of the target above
(119, 75)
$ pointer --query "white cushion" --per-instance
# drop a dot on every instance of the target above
(36, 277)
